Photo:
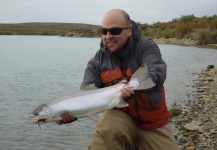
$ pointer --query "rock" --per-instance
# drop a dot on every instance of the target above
(200, 90)
(201, 79)
(191, 126)
(190, 148)
(200, 96)
(196, 122)
(201, 131)
(215, 145)
(200, 109)
(209, 79)
(210, 67)
(182, 113)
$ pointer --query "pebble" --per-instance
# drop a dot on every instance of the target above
(191, 126)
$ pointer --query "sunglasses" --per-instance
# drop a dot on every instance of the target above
(113, 31)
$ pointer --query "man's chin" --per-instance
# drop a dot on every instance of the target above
(112, 49)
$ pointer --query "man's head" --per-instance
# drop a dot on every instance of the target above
(116, 29)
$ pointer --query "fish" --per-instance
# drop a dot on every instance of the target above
(86, 103)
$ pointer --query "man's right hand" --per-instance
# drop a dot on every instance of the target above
(126, 92)
(66, 118)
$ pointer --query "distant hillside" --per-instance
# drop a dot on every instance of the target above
(203, 30)
(198, 30)
(60, 29)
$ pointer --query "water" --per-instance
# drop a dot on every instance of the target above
(36, 68)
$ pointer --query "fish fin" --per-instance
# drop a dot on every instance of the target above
(119, 102)
(141, 72)
(90, 87)
(146, 84)
(94, 117)
(143, 80)
(122, 103)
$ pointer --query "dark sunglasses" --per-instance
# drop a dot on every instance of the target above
(113, 31)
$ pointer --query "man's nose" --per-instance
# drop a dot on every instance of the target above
(108, 35)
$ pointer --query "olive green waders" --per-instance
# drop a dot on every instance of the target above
(117, 131)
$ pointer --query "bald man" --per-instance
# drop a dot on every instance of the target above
(143, 124)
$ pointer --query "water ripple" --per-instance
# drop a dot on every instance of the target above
(31, 73)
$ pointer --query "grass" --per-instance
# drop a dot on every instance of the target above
(175, 111)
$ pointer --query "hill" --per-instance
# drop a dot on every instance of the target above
(186, 30)
(203, 30)
(59, 29)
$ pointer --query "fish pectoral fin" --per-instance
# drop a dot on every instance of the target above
(95, 118)
(90, 87)
(119, 102)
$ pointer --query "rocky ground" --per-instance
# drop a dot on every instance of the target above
(196, 124)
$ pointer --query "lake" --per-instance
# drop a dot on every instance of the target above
(34, 69)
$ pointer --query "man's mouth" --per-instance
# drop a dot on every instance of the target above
(110, 43)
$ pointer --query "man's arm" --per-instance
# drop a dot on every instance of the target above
(157, 67)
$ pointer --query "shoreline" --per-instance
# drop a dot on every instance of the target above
(184, 42)
(170, 41)
(196, 125)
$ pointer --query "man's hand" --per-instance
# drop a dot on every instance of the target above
(66, 118)
(126, 92)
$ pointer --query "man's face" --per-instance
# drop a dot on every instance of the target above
(115, 43)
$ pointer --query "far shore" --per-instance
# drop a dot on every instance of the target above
(184, 42)
(170, 41)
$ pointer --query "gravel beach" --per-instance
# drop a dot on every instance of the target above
(196, 125)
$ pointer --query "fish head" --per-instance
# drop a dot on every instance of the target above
(41, 113)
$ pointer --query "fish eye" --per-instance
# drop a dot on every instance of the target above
(36, 113)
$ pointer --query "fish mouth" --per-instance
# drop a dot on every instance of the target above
(36, 120)
(32, 118)
(31, 115)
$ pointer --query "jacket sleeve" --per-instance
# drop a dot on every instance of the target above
(91, 78)
(151, 55)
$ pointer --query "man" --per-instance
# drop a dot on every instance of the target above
(145, 121)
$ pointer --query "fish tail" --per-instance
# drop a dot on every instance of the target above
(140, 79)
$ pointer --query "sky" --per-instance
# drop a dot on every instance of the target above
(92, 11)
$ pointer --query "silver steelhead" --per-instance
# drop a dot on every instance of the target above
(90, 102)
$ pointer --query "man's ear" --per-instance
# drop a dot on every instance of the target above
(130, 32)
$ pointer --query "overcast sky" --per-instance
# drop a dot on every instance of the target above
(92, 11)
